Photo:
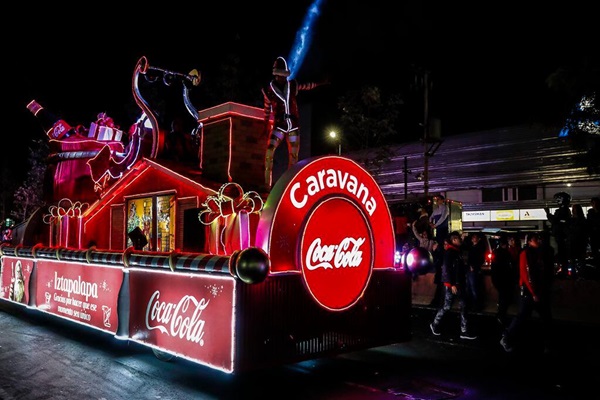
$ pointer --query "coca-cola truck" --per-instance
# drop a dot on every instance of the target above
(187, 261)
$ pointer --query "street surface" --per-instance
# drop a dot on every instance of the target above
(42, 357)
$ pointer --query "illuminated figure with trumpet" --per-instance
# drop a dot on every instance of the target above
(107, 165)
(281, 115)
(168, 77)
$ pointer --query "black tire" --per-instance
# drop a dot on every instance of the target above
(162, 356)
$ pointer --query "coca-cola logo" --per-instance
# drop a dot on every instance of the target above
(327, 218)
(59, 129)
(182, 319)
(334, 256)
(336, 263)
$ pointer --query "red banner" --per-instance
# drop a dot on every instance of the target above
(84, 293)
(14, 279)
(186, 314)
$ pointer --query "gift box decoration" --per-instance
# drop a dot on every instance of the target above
(233, 218)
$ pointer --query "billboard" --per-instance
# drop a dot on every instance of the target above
(79, 292)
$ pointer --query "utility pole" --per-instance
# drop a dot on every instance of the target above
(426, 133)
(431, 131)
(406, 172)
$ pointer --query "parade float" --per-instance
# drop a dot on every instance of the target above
(192, 260)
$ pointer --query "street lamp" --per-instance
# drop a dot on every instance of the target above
(334, 135)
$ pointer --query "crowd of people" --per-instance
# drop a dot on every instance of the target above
(574, 233)
(529, 269)
(522, 273)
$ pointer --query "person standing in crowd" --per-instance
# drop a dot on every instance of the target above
(593, 218)
(439, 218)
(423, 239)
(281, 113)
(549, 257)
(514, 248)
(577, 240)
(454, 276)
(560, 227)
(505, 276)
(404, 252)
(535, 280)
(438, 259)
(422, 222)
(475, 260)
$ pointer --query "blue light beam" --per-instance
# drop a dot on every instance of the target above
(303, 38)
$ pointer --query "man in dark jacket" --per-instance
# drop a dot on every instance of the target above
(438, 260)
(475, 260)
(535, 279)
(560, 227)
(505, 275)
(593, 218)
(454, 276)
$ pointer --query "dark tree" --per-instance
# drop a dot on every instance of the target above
(30, 195)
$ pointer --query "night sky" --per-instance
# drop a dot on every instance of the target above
(488, 63)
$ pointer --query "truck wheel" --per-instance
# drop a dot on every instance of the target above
(161, 355)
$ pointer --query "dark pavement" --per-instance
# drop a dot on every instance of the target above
(45, 358)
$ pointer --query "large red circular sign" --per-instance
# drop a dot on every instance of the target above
(336, 253)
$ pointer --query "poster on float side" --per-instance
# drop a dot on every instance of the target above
(84, 293)
(186, 314)
(14, 279)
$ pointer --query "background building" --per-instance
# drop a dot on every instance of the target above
(503, 177)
